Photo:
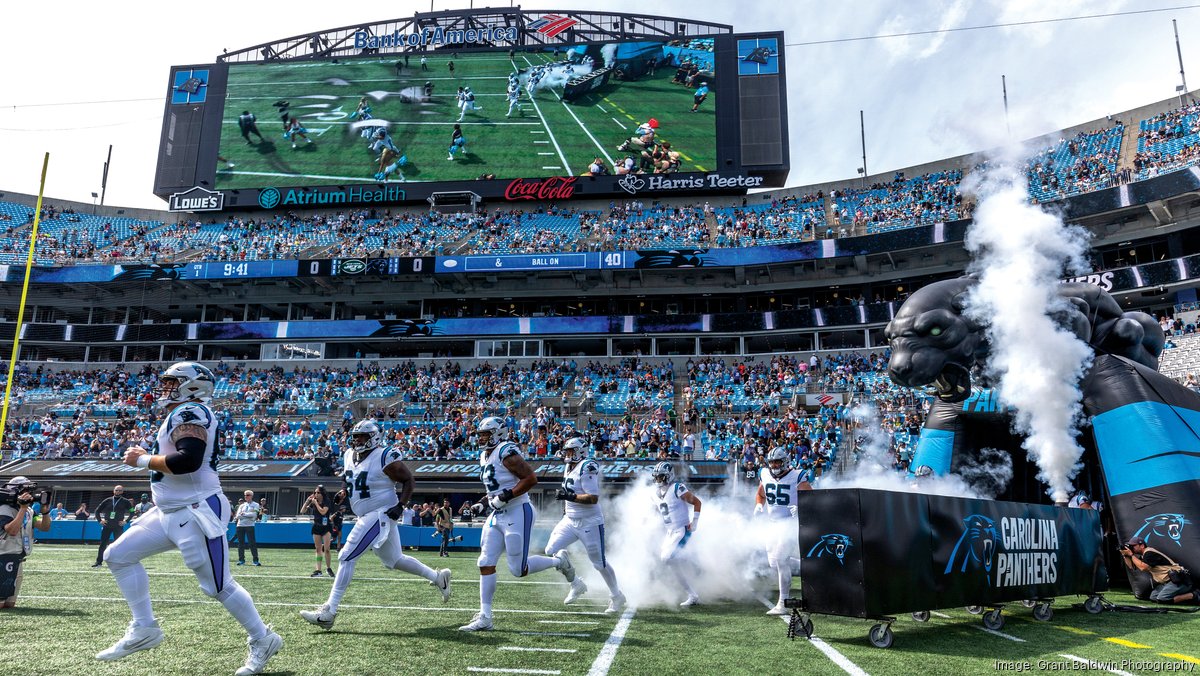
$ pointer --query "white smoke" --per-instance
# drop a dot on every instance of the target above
(988, 473)
(872, 467)
(557, 75)
(725, 558)
(609, 54)
(1020, 251)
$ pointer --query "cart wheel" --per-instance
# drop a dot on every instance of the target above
(1029, 603)
(881, 636)
(1042, 612)
(921, 616)
(993, 620)
(1093, 605)
(975, 610)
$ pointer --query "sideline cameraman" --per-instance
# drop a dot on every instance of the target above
(1172, 583)
(17, 522)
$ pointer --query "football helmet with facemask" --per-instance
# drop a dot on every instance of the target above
(574, 449)
(492, 432)
(662, 473)
(365, 437)
(777, 462)
(185, 381)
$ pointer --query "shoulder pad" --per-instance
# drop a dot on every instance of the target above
(508, 448)
(391, 456)
(680, 489)
(591, 466)
(192, 413)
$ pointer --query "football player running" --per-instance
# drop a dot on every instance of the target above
(373, 473)
(507, 478)
(674, 503)
(778, 484)
(190, 514)
(583, 520)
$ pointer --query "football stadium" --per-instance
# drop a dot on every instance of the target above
(497, 303)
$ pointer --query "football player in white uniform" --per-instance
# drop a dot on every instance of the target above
(372, 474)
(190, 514)
(675, 503)
(778, 484)
(583, 520)
(507, 478)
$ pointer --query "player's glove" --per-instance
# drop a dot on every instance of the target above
(565, 494)
(478, 508)
(794, 511)
(395, 512)
(499, 501)
(758, 509)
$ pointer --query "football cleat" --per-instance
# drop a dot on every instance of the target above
(615, 605)
(442, 582)
(380, 176)
(480, 622)
(578, 588)
(692, 600)
(322, 617)
(778, 609)
(136, 638)
(564, 566)
(261, 650)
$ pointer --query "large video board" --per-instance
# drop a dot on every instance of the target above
(530, 122)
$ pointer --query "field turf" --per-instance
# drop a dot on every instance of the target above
(549, 138)
(392, 623)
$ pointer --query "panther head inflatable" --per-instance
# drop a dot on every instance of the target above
(933, 343)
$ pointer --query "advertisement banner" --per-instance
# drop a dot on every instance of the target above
(110, 469)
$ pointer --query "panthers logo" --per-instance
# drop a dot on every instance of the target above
(833, 544)
(976, 547)
(1163, 526)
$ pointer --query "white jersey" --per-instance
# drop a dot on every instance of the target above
(675, 512)
(368, 488)
(495, 476)
(584, 477)
(780, 493)
(172, 491)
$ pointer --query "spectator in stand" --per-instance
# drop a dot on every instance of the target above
(82, 513)
(58, 512)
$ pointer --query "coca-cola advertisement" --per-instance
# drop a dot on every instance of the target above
(552, 188)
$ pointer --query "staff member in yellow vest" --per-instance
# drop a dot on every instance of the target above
(17, 521)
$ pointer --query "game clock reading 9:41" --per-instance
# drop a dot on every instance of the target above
(236, 270)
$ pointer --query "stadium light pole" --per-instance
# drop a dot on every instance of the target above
(104, 176)
(862, 131)
(1004, 91)
(1179, 53)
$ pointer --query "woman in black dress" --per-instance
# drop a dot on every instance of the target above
(317, 506)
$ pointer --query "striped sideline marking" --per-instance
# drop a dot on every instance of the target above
(550, 132)
(1127, 644)
(240, 575)
(608, 652)
(556, 633)
(829, 651)
(1180, 656)
(999, 633)
(523, 649)
(566, 622)
(1094, 665)
(344, 605)
(497, 670)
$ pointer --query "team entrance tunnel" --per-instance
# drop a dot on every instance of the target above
(877, 554)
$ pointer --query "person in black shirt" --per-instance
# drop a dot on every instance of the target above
(1172, 584)
(317, 506)
(112, 514)
(248, 124)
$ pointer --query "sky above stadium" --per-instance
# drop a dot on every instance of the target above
(77, 76)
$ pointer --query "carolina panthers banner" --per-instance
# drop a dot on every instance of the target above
(869, 553)
(1147, 430)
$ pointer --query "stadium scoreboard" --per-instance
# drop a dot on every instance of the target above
(510, 113)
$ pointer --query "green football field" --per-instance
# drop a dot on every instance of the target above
(392, 623)
(548, 138)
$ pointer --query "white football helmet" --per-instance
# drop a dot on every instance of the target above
(662, 473)
(185, 381)
(365, 437)
(574, 449)
(494, 429)
(777, 462)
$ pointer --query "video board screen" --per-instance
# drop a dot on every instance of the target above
(444, 116)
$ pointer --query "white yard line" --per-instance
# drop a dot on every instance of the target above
(608, 653)
(380, 79)
(497, 670)
(832, 653)
(618, 123)
(556, 633)
(438, 609)
(999, 633)
(601, 108)
(451, 123)
(566, 622)
(549, 132)
(239, 575)
(1095, 665)
(589, 134)
(523, 649)
(937, 614)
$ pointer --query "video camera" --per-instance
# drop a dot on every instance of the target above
(10, 495)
